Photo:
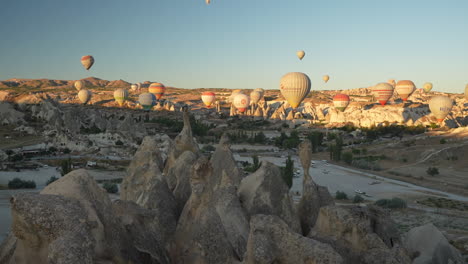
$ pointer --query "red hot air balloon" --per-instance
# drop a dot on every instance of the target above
(87, 61)
(158, 89)
(341, 101)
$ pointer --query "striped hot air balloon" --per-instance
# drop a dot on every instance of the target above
(208, 98)
(255, 97)
(300, 54)
(427, 87)
(295, 86)
(440, 106)
(84, 96)
(341, 101)
(87, 61)
(147, 100)
(382, 92)
(158, 89)
(241, 102)
(120, 96)
(79, 85)
(404, 89)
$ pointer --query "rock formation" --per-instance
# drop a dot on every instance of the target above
(272, 241)
(223, 160)
(429, 245)
(265, 192)
(360, 235)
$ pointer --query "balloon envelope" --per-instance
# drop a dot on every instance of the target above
(134, 87)
(84, 96)
(440, 106)
(158, 89)
(87, 61)
(208, 98)
(147, 100)
(241, 102)
(326, 78)
(208, 2)
(255, 97)
(404, 89)
(341, 101)
(261, 91)
(300, 54)
(79, 85)
(392, 82)
(233, 94)
(427, 87)
(382, 92)
(120, 96)
(295, 86)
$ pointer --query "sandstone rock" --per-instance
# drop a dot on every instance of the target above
(7, 249)
(290, 116)
(360, 235)
(223, 160)
(430, 246)
(213, 227)
(265, 192)
(272, 241)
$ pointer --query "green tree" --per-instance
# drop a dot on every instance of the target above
(432, 171)
(66, 166)
(347, 157)
(288, 172)
(316, 138)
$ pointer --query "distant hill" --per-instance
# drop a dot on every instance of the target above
(47, 83)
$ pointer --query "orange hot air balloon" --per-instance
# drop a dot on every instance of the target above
(208, 98)
(87, 61)
(341, 101)
(383, 92)
(404, 89)
(158, 89)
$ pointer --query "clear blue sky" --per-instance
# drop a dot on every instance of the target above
(238, 43)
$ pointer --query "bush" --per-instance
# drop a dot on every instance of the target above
(256, 164)
(51, 180)
(287, 172)
(119, 143)
(347, 157)
(66, 166)
(432, 171)
(366, 164)
(358, 199)
(443, 141)
(110, 187)
(208, 148)
(393, 203)
(341, 195)
(17, 183)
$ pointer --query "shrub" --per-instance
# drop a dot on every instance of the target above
(66, 166)
(256, 164)
(393, 203)
(66, 150)
(347, 157)
(119, 143)
(17, 183)
(358, 199)
(51, 180)
(432, 171)
(356, 151)
(110, 187)
(341, 195)
(287, 172)
(443, 141)
(208, 148)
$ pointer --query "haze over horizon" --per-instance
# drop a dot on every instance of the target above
(238, 44)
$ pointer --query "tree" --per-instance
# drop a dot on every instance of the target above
(288, 172)
(432, 171)
(66, 166)
(316, 138)
(347, 157)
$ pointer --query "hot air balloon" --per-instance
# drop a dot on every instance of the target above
(466, 92)
(233, 94)
(440, 106)
(427, 87)
(120, 96)
(79, 85)
(208, 98)
(392, 82)
(383, 92)
(241, 102)
(404, 89)
(295, 86)
(134, 87)
(84, 96)
(208, 2)
(300, 54)
(87, 61)
(157, 89)
(326, 78)
(341, 101)
(255, 97)
(147, 100)
(261, 91)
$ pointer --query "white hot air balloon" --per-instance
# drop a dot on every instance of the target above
(134, 87)
(295, 86)
(261, 91)
(79, 85)
(382, 92)
(241, 102)
(120, 96)
(255, 97)
(84, 96)
(440, 106)
(233, 94)
(300, 54)
(208, 98)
